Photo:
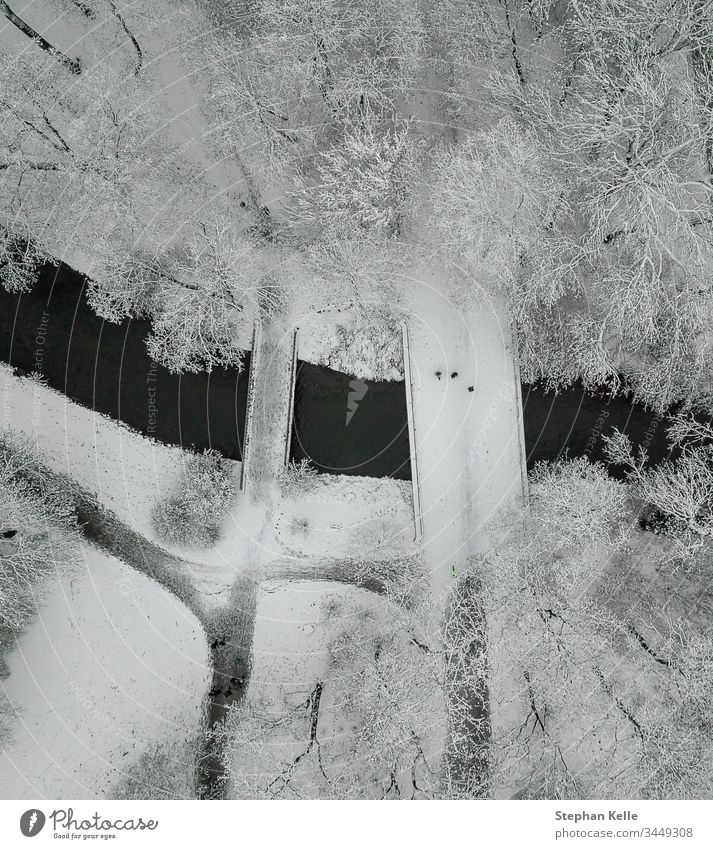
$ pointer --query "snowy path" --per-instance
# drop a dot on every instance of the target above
(469, 444)
(470, 455)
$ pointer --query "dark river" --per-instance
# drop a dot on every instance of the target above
(572, 424)
(106, 367)
(350, 427)
(344, 426)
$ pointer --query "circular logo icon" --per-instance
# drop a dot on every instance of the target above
(32, 822)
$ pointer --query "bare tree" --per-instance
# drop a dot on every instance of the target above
(583, 704)
(19, 260)
(603, 239)
(71, 64)
(202, 298)
(342, 272)
(680, 489)
(362, 182)
(293, 72)
(59, 142)
(494, 198)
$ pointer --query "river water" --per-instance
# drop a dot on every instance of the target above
(348, 426)
(106, 367)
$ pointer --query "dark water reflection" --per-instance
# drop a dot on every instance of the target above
(348, 426)
(106, 367)
(573, 423)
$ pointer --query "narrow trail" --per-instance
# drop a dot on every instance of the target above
(338, 571)
(230, 632)
(105, 530)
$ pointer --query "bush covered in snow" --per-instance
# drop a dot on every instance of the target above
(372, 351)
(193, 513)
(298, 478)
(164, 770)
(38, 531)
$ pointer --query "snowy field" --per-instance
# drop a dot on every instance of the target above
(111, 664)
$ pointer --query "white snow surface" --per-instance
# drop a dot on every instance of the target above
(290, 654)
(111, 664)
(342, 515)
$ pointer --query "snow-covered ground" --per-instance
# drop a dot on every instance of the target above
(469, 442)
(344, 516)
(111, 664)
(126, 471)
(291, 656)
